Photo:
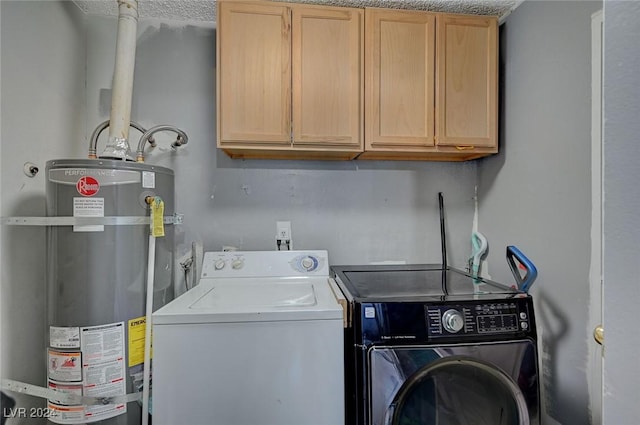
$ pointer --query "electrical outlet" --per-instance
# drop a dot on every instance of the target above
(283, 235)
(283, 230)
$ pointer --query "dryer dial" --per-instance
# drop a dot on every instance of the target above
(452, 321)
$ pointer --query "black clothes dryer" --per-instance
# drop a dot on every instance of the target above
(427, 347)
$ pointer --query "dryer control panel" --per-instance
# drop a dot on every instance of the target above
(488, 318)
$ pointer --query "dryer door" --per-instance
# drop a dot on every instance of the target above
(453, 385)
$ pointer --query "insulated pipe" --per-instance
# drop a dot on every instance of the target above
(122, 86)
(93, 141)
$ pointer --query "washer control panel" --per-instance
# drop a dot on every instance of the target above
(305, 263)
(264, 264)
(490, 318)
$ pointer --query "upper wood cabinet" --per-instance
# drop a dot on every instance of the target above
(400, 67)
(254, 74)
(316, 82)
(290, 80)
(466, 81)
(431, 85)
(327, 77)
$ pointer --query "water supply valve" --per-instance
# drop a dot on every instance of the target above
(30, 169)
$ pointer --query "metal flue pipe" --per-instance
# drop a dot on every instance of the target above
(122, 86)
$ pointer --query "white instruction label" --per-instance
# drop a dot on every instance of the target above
(97, 369)
(148, 179)
(101, 412)
(88, 207)
(75, 389)
(65, 366)
(103, 368)
(102, 343)
(64, 337)
(369, 313)
(60, 414)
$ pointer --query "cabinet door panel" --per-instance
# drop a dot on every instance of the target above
(466, 108)
(327, 76)
(254, 73)
(400, 79)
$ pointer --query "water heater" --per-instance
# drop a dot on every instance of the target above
(97, 281)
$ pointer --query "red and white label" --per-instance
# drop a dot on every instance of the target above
(87, 186)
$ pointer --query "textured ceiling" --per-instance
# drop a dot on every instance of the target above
(205, 11)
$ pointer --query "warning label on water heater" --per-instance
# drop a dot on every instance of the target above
(65, 366)
(88, 207)
(62, 414)
(64, 337)
(103, 368)
(137, 336)
(98, 368)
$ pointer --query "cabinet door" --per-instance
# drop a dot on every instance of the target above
(327, 77)
(254, 74)
(467, 81)
(400, 80)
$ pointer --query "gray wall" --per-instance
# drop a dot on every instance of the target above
(43, 115)
(622, 203)
(56, 74)
(359, 211)
(536, 193)
(538, 199)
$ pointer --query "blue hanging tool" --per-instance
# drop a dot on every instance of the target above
(524, 283)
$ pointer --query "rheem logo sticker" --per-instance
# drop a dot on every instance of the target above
(87, 186)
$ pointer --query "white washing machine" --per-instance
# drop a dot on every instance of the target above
(258, 342)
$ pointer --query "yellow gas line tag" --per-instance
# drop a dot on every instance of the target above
(157, 217)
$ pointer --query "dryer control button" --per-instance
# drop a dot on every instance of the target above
(452, 321)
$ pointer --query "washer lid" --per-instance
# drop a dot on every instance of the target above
(252, 300)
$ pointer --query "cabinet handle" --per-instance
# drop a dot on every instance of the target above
(465, 148)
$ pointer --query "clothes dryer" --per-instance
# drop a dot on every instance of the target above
(437, 347)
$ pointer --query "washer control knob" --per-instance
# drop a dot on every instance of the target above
(308, 264)
(452, 321)
(219, 265)
(237, 264)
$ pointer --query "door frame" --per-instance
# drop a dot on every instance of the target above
(596, 351)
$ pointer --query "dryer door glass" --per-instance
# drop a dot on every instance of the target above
(411, 386)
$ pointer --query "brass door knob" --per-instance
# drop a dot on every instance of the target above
(598, 334)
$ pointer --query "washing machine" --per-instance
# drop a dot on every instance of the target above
(434, 346)
(259, 341)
